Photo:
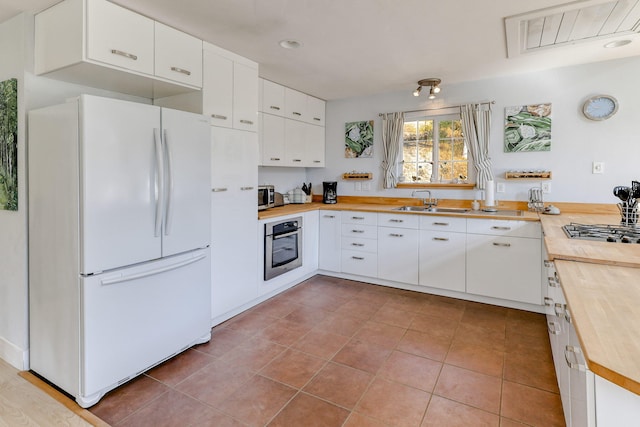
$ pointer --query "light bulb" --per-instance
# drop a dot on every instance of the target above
(436, 89)
(417, 91)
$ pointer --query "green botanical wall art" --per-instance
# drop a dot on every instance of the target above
(9, 145)
(527, 128)
(358, 139)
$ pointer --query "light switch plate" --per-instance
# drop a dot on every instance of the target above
(500, 187)
(546, 187)
(597, 167)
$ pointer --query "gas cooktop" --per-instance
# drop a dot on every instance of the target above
(602, 232)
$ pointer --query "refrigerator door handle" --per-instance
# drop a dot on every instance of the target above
(130, 277)
(159, 181)
(168, 213)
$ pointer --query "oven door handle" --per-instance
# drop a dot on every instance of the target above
(280, 236)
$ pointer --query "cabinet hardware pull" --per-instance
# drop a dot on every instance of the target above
(573, 351)
(359, 258)
(181, 70)
(396, 235)
(357, 217)
(246, 188)
(275, 159)
(357, 231)
(567, 315)
(218, 190)
(246, 122)
(218, 116)
(559, 309)
(441, 223)
(273, 107)
(552, 282)
(554, 328)
(504, 245)
(316, 119)
(317, 161)
(396, 220)
(441, 239)
(358, 244)
(548, 302)
(295, 113)
(548, 263)
(495, 227)
(125, 54)
(297, 160)
(329, 216)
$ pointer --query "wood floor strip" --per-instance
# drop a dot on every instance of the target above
(58, 396)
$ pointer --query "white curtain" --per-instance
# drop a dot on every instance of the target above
(476, 125)
(392, 125)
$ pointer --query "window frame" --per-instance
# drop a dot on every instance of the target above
(436, 117)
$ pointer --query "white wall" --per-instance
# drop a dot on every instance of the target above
(16, 61)
(576, 141)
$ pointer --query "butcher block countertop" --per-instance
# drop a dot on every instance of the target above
(601, 281)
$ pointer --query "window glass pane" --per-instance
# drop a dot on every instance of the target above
(445, 171)
(459, 149)
(460, 170)
(425, 151)
(446, 130)
(445, 151)
(424, 172)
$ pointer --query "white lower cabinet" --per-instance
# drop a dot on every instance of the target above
(398, 248)
(615, 406)
(504, 261)
(443, 252)
(310, 235)
(359, 239)
(329, 241)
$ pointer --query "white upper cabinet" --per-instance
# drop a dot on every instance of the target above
(245, 97)
(178, 56)
(272, 98)
(120, 37)
(295, 104)
(100, 44)
(315, 110)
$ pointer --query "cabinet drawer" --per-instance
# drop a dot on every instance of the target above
(365, 218)
(361, 231)
(400, 221)
(359, 244)
(360, 263)
(499, 227)
(443, 223)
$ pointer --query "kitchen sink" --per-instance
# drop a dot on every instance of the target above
(431, 209)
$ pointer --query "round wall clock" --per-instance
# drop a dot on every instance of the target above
(600, 107)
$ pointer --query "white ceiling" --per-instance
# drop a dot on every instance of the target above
(361, 47)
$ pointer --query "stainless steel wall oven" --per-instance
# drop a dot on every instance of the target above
(282, 246)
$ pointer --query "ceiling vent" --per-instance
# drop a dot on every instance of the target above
(575, 22)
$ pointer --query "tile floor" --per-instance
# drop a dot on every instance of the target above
(334, 352)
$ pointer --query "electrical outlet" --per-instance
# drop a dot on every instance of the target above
(366, 186)
(357, 186)
(546, 187)
(500, 187)
(597, 167)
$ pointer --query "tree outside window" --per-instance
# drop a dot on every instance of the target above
(433, 150)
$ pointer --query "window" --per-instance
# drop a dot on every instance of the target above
(433, 150)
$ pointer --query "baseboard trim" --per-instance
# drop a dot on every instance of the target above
(14, 355)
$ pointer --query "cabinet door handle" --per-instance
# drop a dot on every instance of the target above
(396, 220)
(357, 217)
(218, 190)
(246, 188)
(358, 244)
(295, 113)
(552, 282)
(275, 159)
(559, 309)
(567, 315)
(181, 70)
(317, 119)
(504, 245)
(329, 216)
(445, 224)
(548, 302)
(441, 239)
(548, 263)
(246, 122)
(554, 328)
(357, 231)
(273, 107)
(359, 258)
(495, 227)
(317, 161)
(396, 235)
(125, 54)
(218, 116)
(571, 351)
(296, 160)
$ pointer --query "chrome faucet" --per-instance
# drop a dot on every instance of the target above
(427, 201)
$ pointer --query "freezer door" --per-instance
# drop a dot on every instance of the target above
(187, 181)
(134, 318)
(119, 185)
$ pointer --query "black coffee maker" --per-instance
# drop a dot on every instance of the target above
(330, 192)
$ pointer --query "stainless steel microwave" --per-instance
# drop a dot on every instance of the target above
(266, 197)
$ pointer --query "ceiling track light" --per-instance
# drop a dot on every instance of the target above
(433, 84)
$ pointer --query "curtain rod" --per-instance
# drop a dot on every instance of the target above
(442, 108)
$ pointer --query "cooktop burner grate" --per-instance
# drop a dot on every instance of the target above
(602, 232)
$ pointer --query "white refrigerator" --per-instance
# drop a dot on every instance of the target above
(119, 233)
